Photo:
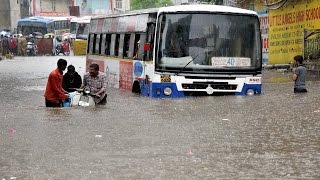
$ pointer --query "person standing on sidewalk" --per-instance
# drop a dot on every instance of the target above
(55, 94)
(299, 75)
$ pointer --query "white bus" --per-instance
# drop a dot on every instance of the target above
(80, 27)
(43, 24)
(179, 51)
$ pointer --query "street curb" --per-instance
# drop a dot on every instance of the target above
(276, 66)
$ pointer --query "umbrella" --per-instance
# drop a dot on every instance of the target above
(49, 35)
(4, 33)
(38, 34)
(66, 34)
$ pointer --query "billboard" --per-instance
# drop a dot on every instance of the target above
(286, 27)
(90, 7)
(264, 28)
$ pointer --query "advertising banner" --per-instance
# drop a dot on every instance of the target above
(264, 28)
(286, 27)
(125, 81)
(90, 7)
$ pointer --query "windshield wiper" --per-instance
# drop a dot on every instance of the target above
(193, 58)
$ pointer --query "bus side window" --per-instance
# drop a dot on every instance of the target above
(131, 46)
(142, 43)
(136, 46)
(149, 44)
(97, 40)
(121, 44)
(112, 47)
(81, 28)
(94, 43)
(50, 27)
(108, 44)
(90, 43)
(117, 45)
(102, 44)
(126, 45)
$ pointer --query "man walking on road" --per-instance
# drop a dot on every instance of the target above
(55, 94)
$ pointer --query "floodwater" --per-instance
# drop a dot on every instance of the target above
(271, 136)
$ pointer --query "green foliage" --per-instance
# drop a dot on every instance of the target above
(145, 4)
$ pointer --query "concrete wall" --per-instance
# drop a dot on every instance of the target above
(14, 14)
(10, 13)
(5, 12)
(51, 8)
(25, 8)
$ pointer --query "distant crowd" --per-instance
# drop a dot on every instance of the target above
(13, 45)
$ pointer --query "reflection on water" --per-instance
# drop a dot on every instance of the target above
(31, 88)
(282, 76)
(271, 136)
(57, 113)
(276, 76)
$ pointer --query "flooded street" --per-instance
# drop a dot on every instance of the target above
(271, 136)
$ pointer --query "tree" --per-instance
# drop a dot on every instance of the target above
(145, 4)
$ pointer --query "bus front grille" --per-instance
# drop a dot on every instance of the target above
(214, 85)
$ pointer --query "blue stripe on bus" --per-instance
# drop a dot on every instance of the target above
(255, 87)
(44, 20)
(145, 88)
(156, 90)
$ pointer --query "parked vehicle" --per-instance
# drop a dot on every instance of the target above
(179, 51)
(63, 48)
(43, 25)
(82, 98)
(31, 49)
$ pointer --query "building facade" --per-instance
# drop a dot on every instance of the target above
(11, 11)
(85, 7)
(285, 24)
(51, 7)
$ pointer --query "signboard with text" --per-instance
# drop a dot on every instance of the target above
(286, 27)
(264, 28)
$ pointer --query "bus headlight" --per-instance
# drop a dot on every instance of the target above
(250, 92)
(167, 91)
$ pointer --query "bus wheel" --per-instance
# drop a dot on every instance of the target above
(136, 87)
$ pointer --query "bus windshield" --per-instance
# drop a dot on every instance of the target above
(82, 30)
(73, 27)
(203, 42)
(26, 30)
